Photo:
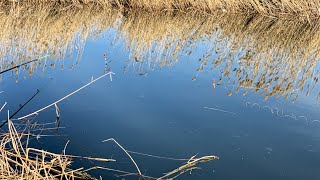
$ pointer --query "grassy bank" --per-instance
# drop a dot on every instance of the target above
(276, 8)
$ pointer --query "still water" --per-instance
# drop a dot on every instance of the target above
(172, 104)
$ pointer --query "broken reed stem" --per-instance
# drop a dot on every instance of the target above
(111, 139)
(119, 171)
(37, 152)
(3, 106)
(54, 103)
(220, 110)
(191, 164)
(158, 157)
(30, 163)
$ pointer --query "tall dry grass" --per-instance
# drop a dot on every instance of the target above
(272, 56)
(18, 160)
(307, 9)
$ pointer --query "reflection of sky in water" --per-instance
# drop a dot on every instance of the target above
(163, 114)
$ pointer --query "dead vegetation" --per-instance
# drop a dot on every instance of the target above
(267, 54)
(30, 32)
(271, 56)
(308, 9)
(18, 160)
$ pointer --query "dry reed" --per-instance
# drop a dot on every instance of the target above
(20, 161)
(276, 8)
(272, 56)
(30, 32)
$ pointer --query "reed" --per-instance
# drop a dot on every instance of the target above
(270, 56)
(276, 8)
(273, 57)
(20, 161)
(30, 33)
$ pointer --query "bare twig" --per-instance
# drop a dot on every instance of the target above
(65, 147)
(220, 110)
(3, 106)
(158, 157)
(111, 139)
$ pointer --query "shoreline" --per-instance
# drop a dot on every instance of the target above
(275, 9)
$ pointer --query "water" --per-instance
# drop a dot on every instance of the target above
(167, 112)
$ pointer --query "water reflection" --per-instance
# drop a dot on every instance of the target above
(30, 33)
(273, 57)
(269, 56)
(173, 116)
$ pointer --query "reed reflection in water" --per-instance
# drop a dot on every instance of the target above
(272, 57)
(269, 56)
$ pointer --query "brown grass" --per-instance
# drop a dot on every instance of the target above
(273, 56)
(268, 55)
(276, 8)
(19, 161)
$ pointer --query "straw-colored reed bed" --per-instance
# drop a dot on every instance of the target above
(18, 160)
(276, 8)
(275, 57)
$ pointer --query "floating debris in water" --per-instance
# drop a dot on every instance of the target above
(213, 85)
(220, 110)
(269, 149)
(3, 106)
(274, 110)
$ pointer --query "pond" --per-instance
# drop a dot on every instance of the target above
(244, 89)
